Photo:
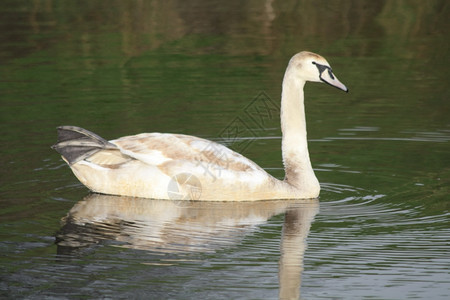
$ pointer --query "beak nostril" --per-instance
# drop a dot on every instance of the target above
(331, 74)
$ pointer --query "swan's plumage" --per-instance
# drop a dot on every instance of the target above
(143, 165)
(176, 166)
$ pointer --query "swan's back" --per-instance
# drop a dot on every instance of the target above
(164, 149)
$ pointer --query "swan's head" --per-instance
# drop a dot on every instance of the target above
(309, 66)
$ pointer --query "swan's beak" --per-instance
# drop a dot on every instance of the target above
(328, 77)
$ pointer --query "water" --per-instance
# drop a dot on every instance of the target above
(381, 152)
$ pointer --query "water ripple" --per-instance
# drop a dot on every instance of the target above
(364, 234)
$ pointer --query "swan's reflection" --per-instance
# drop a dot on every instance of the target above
(186, 227)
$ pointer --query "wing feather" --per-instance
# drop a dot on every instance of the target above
(157, 149)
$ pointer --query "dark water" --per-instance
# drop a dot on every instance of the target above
(381, 227)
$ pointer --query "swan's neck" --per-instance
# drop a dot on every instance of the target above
(299, 172)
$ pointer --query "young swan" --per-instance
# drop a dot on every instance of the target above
(183, 167)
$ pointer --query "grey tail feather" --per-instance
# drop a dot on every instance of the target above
(75, 143)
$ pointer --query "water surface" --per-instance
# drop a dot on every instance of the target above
(380, 229)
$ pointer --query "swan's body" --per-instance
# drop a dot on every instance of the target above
(175, 166)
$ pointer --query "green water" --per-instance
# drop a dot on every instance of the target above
(381, 152)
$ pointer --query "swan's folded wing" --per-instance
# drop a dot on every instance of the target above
(168, 149)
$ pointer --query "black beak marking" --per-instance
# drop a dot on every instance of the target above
(323, 68)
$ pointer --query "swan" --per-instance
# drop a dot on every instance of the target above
(182, 167)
